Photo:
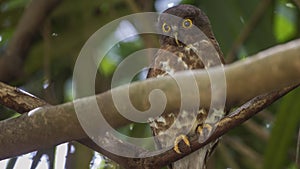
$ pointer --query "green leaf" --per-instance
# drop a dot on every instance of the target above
(293, 166)
(285, 126)
(285, 25)
(11, 5)
(5, 35)
(107, 66)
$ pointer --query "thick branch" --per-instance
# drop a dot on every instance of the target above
(224, 125)
(267, 71)
(23, 102)
(56, 124)
(28, 26)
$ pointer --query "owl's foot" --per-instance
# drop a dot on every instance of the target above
(177, 141)
(204, 131)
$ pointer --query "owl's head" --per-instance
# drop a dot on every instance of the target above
(180, 25)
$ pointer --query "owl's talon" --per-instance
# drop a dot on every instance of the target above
(204, 131)
(177, 141)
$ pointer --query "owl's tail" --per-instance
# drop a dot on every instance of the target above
(196, 160)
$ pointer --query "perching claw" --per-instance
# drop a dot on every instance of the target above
(204, 131)
(177, 141)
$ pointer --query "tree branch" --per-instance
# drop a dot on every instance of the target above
(19, 100)
(155, 161)
(30, 23)
(236, 118)
(53, 125)
(22, 102)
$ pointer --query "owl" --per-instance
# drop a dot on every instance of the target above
(181, 44)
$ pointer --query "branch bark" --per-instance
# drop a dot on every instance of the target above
(156, 161)
(19, 100)
(29, 25)
(237, 117)
(56, 124)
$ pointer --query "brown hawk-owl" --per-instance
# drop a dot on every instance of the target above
(178, 52)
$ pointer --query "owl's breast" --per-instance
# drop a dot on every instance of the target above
(171, 59)
(168, 60)
(168, 126)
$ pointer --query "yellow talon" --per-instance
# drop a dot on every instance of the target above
(176, 149)
(177, 141)
(204, 131)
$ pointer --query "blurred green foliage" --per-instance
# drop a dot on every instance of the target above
(74, 21)
(285, 21)
(284, 131)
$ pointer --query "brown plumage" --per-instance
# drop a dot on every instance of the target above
(181, 46)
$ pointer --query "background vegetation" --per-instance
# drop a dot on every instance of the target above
(242, 28)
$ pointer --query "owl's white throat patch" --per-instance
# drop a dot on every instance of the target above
(165, 65)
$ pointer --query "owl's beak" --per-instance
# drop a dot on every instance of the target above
(176, 38)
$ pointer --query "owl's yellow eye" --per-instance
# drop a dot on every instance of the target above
(187, 23)
(165, 27)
